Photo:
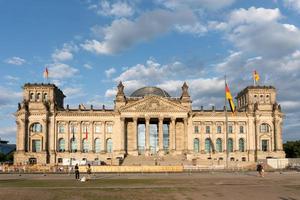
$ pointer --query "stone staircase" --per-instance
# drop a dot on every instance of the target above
(166, 160)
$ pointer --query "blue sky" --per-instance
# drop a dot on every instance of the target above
(90, 45)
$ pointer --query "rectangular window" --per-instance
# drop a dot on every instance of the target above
(109, 128)
(196, 129)
(97, 128)
(36, 145)
(241, 129)
(219, 129)
(85, 128)
(61, 128)
(73, 128)
(264, 145)
(230, 129)
(207, 129)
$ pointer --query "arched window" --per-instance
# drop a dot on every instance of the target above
(196, 145)
(265, 128)
(109, 145)
(97, 145)
(219, 145)
(36, 128)
(45, 97)
(230, 145)
(241, 145)
(73, 145)
(38, 96)
(31, 96)
(61, 145)
(85, 145)
(207, 145)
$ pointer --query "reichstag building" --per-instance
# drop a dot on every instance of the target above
(147, 124)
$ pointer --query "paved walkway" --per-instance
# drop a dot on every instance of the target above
(218, 185)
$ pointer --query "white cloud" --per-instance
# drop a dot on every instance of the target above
(15, 61)
(117, 9)
(197, 28)
(7, 130)
(110, 72)
(196, 4)
(8, 96)
(258, 31)
(8, 133)
(124, 33)
(87, 66)
(61, 71)
(110, 93)
(171, 85)
(11, 78)
(293, 4)
(62, 55)
(152, 72)
(73, 92)
(65, 53)
(253, 15)
(287, 105)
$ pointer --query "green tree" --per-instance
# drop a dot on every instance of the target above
(292, 149)
(2, 157)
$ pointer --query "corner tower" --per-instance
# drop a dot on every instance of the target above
(259, 102)
(35, 120)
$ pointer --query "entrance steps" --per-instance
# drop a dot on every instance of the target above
(166, 160)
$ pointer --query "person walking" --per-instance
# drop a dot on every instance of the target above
(76, 172)
(260, 169)
(89, 171)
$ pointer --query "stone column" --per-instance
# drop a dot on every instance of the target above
(173, 134)
(147, 134)
(103, 142)
(236, 138)
(92, 135)
(160, 134)
(122, 131)
(68, 147)
(279, 135)
(135, 135)
(44, 131)
(80, 136)
(185, 147)
(20, 136)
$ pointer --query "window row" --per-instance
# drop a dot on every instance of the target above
(218, 145)
(85, 128)
(85, 145)
(219, 129)
(38, 96)
(264, 128)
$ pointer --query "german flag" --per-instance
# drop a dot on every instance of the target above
(229, 98)
(46, 73)
(255, 76)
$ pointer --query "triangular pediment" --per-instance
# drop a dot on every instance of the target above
(154, 104)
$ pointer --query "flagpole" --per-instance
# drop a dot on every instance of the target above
(226, 125)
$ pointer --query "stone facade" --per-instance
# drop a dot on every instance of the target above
(147, 123)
